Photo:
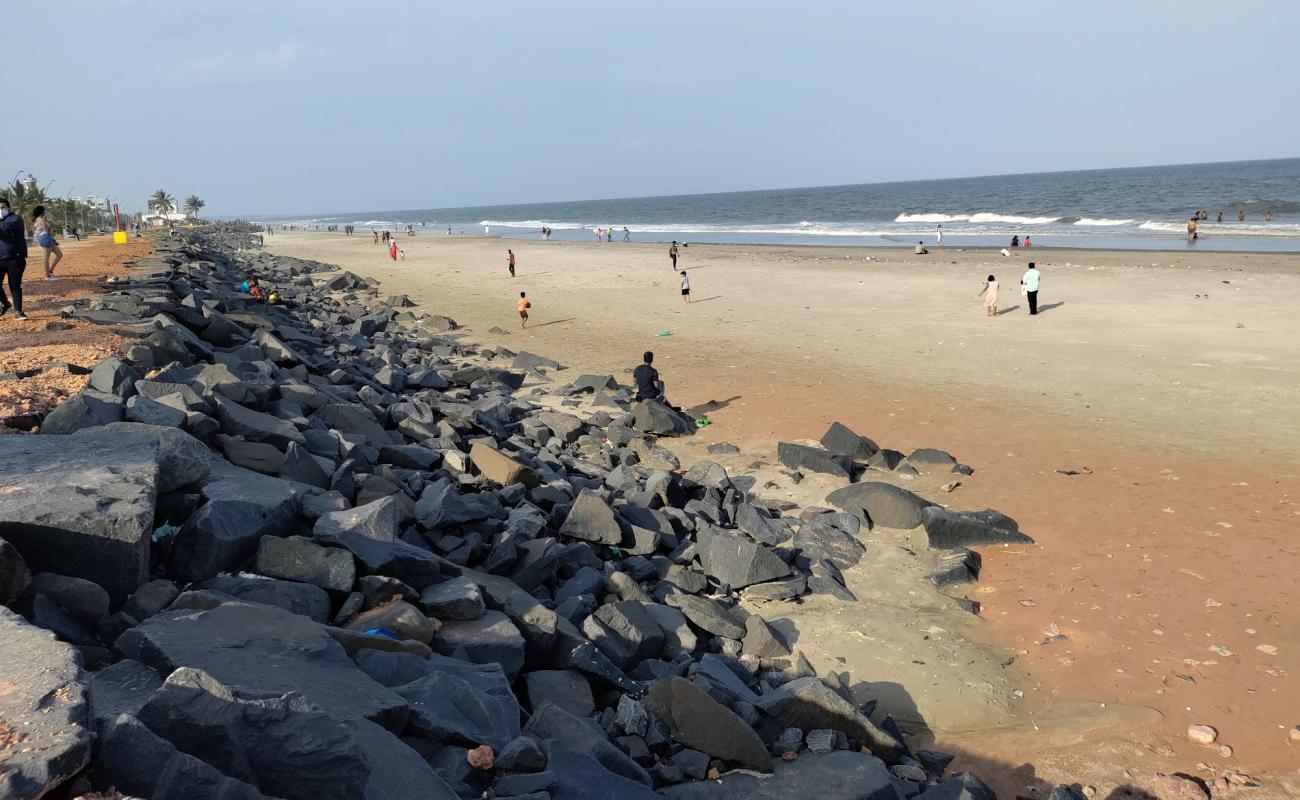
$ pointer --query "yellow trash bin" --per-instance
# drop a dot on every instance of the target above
(119, 237)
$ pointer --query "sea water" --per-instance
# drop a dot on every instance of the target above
(1140, 207)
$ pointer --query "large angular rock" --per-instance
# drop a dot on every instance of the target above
(254, 426)
(462, 703)
(809, 704)
(883, 504)
(565, 688)
(298, 559)
(698, 721)
(501, 468)
(552, 722)
(225, 531)
(301, 466)
(99, 528)
(625, 632)
(949, 530)
(652, 416)
(592, 520)
(581, 776)
(817, 540)
(122, 688)
(257, 456)
(839, 775)
(761, 527)
(356, 418)
(113, 376)
(81, 411)
(380, 520)
(927, 459)
(679, 637)
(708, 615)
(814, 459)
(762, 640)
(14, 574)
(297, 598)
(490, 639)
(840, 440)
(455, 598)
(285, 745)
(566, 427)
(136, 760)
(45, 723)
(737, 561)
(182, 459)
(264, 649)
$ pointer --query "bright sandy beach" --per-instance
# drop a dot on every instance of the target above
(1165, 382)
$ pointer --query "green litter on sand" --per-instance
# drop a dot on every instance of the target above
(666, 333)
(702, 421)
(1241, 325)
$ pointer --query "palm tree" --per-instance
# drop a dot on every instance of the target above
(192, 205)
(162, 202)
(26, 195)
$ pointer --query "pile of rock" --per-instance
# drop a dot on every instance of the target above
(325, 549)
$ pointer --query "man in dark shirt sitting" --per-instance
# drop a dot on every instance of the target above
(648, 385)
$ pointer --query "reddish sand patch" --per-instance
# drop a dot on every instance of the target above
(28, 345)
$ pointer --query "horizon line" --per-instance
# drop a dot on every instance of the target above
(782, 189)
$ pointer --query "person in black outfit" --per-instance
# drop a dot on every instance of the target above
(672, 253)
(648, 385)
(13, 258)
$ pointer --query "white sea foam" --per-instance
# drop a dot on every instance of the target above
(932, 218)
(537, 224)
(1103, 222)
(1224, 229)
(1012, 218)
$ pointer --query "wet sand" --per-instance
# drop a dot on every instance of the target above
(1168, 559)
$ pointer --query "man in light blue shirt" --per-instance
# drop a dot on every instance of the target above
(1030, 282)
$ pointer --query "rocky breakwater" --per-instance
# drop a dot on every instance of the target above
(327, 550)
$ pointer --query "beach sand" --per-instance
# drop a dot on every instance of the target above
(1173, 544)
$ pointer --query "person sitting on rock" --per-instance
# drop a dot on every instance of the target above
(920, 249)
(648, 385)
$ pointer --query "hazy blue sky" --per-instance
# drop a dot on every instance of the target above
(289, 106)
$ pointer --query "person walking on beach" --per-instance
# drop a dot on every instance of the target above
(627, 234)
(1029, 285)
(686, 287)
(393, 250)
(45, 238)
(672, 253)
(13, 259)
(990, 294)
(648, 385)
(609, 234)
(938, 232)
(510, 261)
(376, 235)
(524, 305)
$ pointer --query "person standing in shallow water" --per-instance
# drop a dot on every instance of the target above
(510, 261)
(1030, 281)
(990, 295)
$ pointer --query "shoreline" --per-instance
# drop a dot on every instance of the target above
(1114, 507)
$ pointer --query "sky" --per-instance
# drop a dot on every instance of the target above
(316, 106)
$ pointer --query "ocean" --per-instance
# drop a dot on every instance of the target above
(1138, 208)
